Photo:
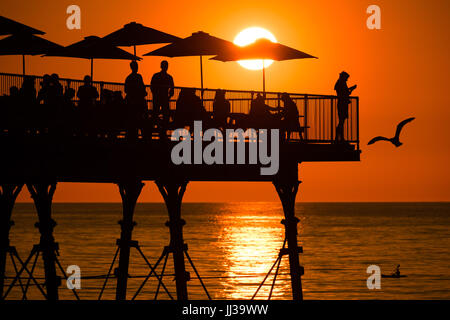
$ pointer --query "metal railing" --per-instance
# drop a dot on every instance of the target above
(318, 113)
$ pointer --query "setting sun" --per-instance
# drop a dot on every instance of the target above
(248, 36)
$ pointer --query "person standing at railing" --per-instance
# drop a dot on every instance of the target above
(162, 88)
(343, 93)
(135, 100)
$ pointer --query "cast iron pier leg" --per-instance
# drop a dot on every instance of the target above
(42, 194)
(172, 192)
(8, 195)
(129, 191)
(287, 187)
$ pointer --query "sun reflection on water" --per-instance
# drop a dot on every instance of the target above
(251, 241)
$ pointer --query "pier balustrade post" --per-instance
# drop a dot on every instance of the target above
(42, 195)
(129, 191)
(8, 196)
(286, 185)
(172, 192)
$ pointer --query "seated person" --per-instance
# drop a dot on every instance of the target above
(87, 94)
(189, 108)
(290, 116)
(260, 115)
(221, 109)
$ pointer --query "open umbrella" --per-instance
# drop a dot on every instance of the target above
(26, 44)
(198, 44)
(262, 49)
(93, 47)
(8, 26)
(133, 34)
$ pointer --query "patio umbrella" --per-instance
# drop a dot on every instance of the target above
(262, 49)
(133, 34)
(93, 47)
(198, 44)
(26, 44)
(8, 26)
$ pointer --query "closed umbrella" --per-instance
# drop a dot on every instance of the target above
(26, 44)
(133, 34)
(198, 44)
(93, 47)
(262, 49)
(8, 26)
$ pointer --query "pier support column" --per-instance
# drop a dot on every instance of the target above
(172, 192)
(287, 190)
(129, 191)
(8, 196)
(42, 194)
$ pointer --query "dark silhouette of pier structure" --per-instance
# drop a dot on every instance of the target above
(39, 160)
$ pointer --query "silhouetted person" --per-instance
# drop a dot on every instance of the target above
(87, 95)
(397, 271)
(162, 88)
(260, 114)
(189, 108)
(221, 109)
(28, 91)
(69, 95)
(43, 91)
(343, 93)
(57, 88)
(135, 99)
(290, 116)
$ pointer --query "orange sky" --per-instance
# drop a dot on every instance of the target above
(401, 71)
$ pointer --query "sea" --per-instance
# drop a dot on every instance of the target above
(233, 246)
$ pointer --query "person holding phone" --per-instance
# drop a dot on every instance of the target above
(343, 93)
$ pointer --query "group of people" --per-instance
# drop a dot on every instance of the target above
(53, 107)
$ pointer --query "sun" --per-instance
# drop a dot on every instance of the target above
(250, 35)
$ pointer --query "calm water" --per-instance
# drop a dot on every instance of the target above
(233, 245)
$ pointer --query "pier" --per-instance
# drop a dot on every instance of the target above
(37, 157)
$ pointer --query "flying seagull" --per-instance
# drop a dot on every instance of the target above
(396, 139)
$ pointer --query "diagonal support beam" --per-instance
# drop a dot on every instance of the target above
(286, 185)
(42, 195)
(8, 196)
(172, 192)
(129, 191)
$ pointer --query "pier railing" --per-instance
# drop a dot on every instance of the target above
(318, 113)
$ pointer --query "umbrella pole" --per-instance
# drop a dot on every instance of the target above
(23, 64)
(201, 77)
(135, 50)
(92, 69)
